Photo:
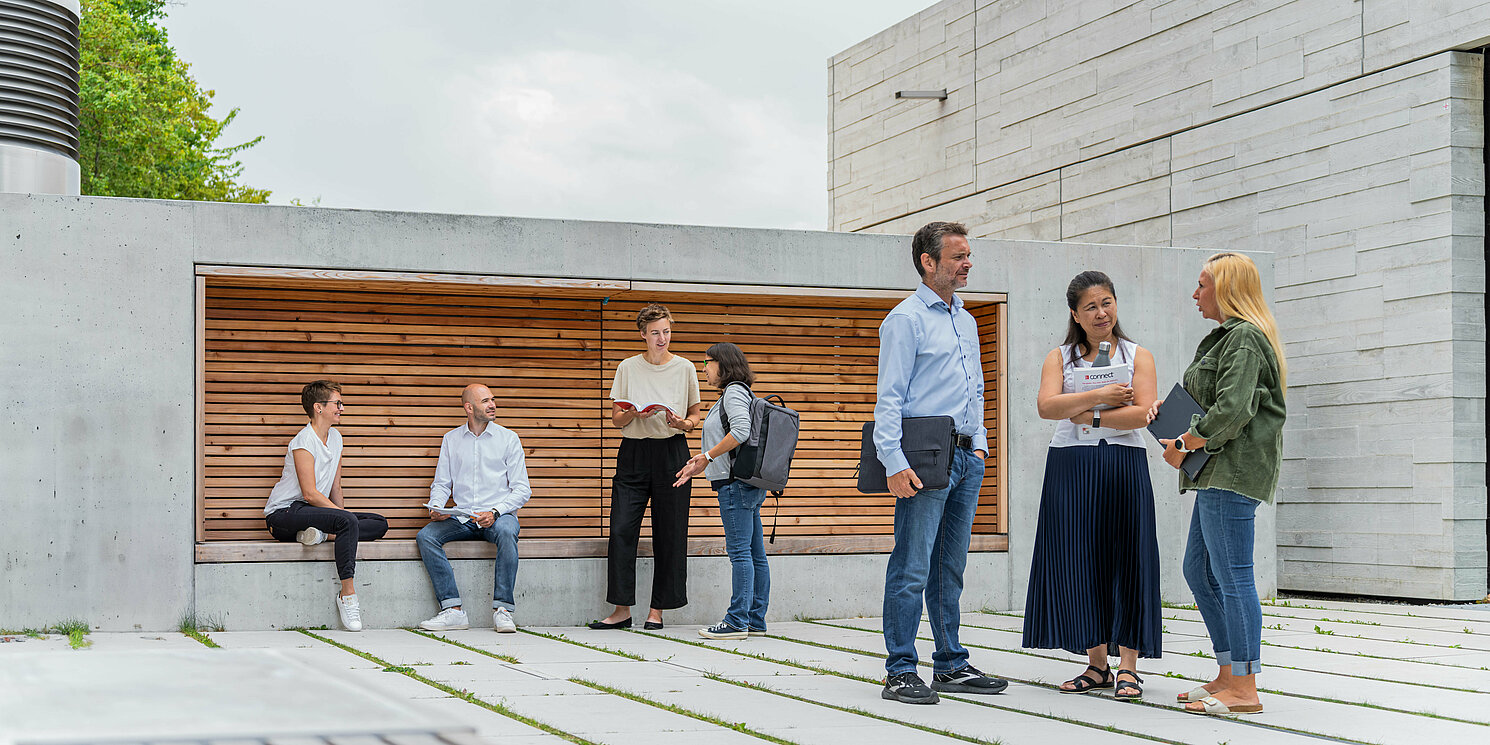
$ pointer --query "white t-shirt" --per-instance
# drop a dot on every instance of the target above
(674, 383)
(327, 456)
(1065, 429)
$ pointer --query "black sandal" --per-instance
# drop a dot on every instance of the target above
(1123, 685)
(1084, 682)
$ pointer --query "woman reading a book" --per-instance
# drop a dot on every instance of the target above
(1238, 378)
(655, 401)
(306, 503)
(725, 427)
(1094, 577)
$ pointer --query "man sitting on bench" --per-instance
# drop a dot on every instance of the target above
(483, 469)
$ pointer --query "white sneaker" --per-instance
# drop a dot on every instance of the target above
(501, 621)
(310, 536)
(350, 610)
(450, 619)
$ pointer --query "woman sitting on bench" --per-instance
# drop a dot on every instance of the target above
(306, 504)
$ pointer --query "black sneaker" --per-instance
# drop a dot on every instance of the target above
(907, 688)
(968, 680)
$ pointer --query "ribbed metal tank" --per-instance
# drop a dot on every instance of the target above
(39, 96)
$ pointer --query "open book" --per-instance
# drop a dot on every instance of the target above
(1092, 378)
(644, 408)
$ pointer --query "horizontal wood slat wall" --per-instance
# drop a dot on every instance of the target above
(403, 352)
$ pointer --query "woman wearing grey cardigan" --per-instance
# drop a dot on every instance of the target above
(725, 427)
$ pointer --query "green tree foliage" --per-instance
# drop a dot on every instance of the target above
(145, 130)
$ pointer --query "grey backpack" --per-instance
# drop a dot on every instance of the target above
(764, 459)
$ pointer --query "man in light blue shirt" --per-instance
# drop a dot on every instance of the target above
(483, 469)
(929, 366)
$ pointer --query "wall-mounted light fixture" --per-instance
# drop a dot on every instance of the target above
(940, 95)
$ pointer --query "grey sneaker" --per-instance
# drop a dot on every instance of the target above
(350, 611)
(449, 619)
(908, 688)
(501, 621)
(310, 536)
(723, 630)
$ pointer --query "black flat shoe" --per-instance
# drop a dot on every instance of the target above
(624, 623)
(652, 625)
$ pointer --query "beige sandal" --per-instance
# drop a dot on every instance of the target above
(1199, 693)
(1213, 705)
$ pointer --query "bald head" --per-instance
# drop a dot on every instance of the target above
(479, 403)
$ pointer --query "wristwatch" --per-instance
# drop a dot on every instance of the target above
(1179, 444)
(708, 458)
(1096, 418)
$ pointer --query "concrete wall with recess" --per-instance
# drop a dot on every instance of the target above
(1338, 134)
(97, 386)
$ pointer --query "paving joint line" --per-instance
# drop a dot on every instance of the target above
(461, 694)
(494, 655)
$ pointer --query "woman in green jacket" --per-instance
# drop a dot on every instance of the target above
(1238, 377)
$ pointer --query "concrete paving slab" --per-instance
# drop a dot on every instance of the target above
(159, 694)
(1461, 612)
(119, 641)
(22, 644)
(605, 715)
(266, 640)
(397, 685)
(499, 690)
(486, 722)
(495, 672)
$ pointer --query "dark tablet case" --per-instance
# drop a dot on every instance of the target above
(928, 443)
(1174, 420)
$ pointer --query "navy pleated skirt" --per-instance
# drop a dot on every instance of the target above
(1094, 578)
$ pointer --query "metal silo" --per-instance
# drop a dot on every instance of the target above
(39, 96)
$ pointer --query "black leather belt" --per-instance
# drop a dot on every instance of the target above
(965, 441)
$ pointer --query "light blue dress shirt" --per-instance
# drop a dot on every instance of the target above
(928, 366)
(485, 473)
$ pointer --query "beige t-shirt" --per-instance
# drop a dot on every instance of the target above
(674, 383)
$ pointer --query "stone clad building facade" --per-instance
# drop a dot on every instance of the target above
(1344, 136)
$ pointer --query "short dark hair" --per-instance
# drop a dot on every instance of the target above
(733, 367)
(315, 392)
(651, 314)
(928, 241)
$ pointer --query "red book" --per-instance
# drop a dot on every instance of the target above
(645, 408)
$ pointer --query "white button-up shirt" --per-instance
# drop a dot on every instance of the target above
(485, 473)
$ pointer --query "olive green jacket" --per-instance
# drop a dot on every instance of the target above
(1235, 379)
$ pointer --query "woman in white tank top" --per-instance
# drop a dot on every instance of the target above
(1094, 577)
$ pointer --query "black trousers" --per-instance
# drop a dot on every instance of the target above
(646, 470)
(349, 528)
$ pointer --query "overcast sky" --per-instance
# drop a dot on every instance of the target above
(681, 111)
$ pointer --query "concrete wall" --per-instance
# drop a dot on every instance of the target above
(97, 386)
(1337, 134)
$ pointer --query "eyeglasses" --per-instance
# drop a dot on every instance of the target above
(340, 404)
(705, 363)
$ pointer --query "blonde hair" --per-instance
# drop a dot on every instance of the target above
(1239, 295)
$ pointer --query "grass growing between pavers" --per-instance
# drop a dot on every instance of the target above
(461, 694)
(477, 650)
(197, 628)
(740, 727)
(76, 632)
(766, 689)
(1166, 706)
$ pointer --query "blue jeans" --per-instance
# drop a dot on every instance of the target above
(1218, 569)
(503, 533)
(932, 533)
(750, 577)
